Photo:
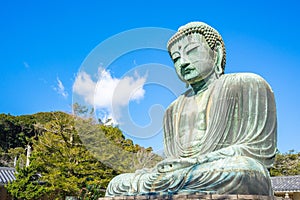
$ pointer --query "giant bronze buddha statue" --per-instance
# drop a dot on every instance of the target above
(219, 136)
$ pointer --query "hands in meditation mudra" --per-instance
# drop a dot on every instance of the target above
(219, 136)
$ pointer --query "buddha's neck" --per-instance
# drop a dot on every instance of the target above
(202, 85)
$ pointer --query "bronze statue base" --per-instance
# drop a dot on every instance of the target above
(194, 197)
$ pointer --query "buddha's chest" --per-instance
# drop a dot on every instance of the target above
(192, 121)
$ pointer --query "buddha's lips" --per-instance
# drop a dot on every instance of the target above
(187, 71)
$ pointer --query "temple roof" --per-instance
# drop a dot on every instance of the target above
(286, 183)
(7, 175)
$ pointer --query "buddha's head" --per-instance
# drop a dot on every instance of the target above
(198, 52)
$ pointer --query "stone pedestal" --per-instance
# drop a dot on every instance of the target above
(194, 197)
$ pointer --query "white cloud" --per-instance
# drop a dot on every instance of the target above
(85, 87)
(60, 89)
(109, 92)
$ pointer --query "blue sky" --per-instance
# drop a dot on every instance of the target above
(44, 43)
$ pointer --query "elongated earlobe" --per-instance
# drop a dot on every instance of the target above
(218, 63)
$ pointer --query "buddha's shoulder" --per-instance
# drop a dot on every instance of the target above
(242, 79)
(232, 82)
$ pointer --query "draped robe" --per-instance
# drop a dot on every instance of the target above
(230, 128)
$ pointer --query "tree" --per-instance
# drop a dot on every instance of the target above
(27, 184)
(73, 156)
(286, 164)
(110, 146)
(81, 110)
(60, 165)
(16, 132)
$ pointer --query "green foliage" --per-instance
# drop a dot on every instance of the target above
(27, 185)
(18, 131)
(91, 192)
(73, 157)
(80, 110)
(4, 158)
(64, 164)
(286, 164)
(7, 158)
(13, 131)
(110, 146)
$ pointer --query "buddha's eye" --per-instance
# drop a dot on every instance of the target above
(175, 57)
(191, 49)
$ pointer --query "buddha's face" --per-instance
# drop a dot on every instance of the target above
(193, 58)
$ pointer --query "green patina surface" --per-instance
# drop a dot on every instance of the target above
(219, 136)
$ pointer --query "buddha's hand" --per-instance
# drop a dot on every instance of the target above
(169, 165)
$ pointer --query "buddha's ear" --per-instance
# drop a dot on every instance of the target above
(219, 58)
(220, 55)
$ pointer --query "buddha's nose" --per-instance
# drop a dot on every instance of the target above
(184, 62)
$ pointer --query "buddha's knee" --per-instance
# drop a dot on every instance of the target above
(239, 163)
(120, 184)
(233, 175)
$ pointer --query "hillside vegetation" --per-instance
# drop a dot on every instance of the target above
(70, 156)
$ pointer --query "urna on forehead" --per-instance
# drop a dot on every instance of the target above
(211, 36)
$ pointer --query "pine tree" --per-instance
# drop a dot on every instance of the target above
(60, 165)
(286, 164)
(74, 156)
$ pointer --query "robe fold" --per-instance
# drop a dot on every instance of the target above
(230, 128)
